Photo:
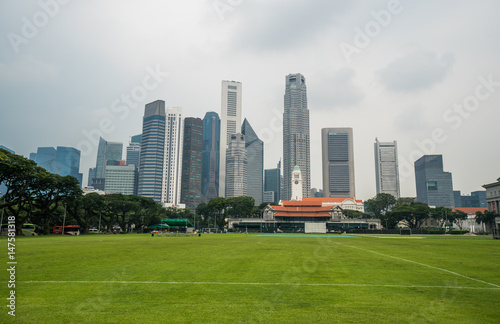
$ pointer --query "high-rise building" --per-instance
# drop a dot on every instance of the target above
(107, 151)
(61, 160)
(434, 186)
(192, 162)
(211, 157)
(230, 122)
(255, 163)
(272, 182)
(296, 137)
(475, 199)
(172, 170)
(236, 167)
(338, 162)
(134, 150)
(386, 167)
(120, 179)
(152, 151)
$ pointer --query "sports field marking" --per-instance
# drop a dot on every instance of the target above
(246, 283)
(422, 264)
(397, 237)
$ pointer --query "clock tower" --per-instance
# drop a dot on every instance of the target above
(296, 184)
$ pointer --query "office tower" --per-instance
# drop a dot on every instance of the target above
(255, 162)
(68, 162)
(134, 150)
(107, 151)
(152, 151)
(268, 196)
(191, 163)
(61, 160)
(211, 157)
(230, 122)
(272, 182)
(172, 171)
(296, 139)
(386, 167)
(236, 167)
(434, 186)
(475, 199)
(338, 162)
(120, 179)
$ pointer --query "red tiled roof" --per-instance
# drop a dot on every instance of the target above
(318, 201)
(302, 208)
(298, 214)
(471, 210)
(300, 203)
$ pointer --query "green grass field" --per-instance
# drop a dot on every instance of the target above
(238, 278)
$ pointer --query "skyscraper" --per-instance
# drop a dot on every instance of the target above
(386, 167)
(434, 186)
(134, 150)
(211, 157)
(172, 170)
(338, 162)
(236, 162)
(107, 151)
(192, 162)
(120, 179)
(255, 163)
(152, 151)
(272, 182)
(230, 124)
(296, 138)
(61, 160)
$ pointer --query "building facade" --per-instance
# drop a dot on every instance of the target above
(120, 179)
(272, 183)
(236, 167)
(434, 186)
(338, 162)
(134, 150)
(493, 196)
(61, 160)
(296, 136)
(230, 123)
(172, 161)
(255, 163)
(152, 151)
(192, 163)
(210, 157)
(386, 168)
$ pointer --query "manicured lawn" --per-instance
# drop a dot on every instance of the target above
(228, 278)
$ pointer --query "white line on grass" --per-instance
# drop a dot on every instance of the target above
(246, 283)
(422, 264)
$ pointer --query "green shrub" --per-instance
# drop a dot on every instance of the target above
(458, 232)
(436, 232)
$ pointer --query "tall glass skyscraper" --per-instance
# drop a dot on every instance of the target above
(255, 163)
(230, 124)
(338, 162)
(296, 137)
(62, 160)
(272, 182)
(236, 171)
(152, 151)
(211, 157)
(434, 186)
(107, 151)
(134, 150)
(386, 167)
(192, 162)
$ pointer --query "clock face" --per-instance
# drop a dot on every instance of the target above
(296, 182)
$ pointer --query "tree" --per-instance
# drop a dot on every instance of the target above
(414, 213)
(349, 213)
(487, 218)
(380, 204)
(443, 214)
(457, 217)
(241, 206)
(217, 206)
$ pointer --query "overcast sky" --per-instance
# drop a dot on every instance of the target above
(424, 73)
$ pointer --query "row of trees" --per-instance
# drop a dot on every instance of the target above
(45, 199)
(391, 211)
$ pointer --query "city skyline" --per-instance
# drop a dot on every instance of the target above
(430, 88)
